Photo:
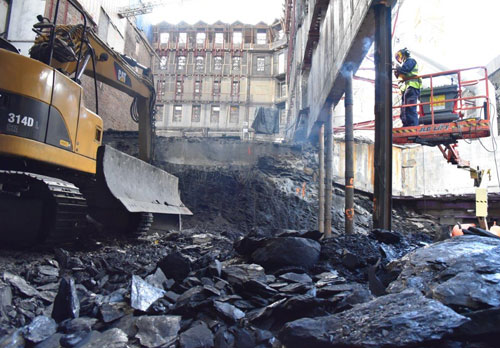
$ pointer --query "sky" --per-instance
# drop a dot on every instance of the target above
(210, 11)
(454, 33)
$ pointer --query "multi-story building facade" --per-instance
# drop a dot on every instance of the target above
(211, 79)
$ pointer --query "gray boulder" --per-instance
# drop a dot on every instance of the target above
(402, 319)
(287, 251)
(462, 272)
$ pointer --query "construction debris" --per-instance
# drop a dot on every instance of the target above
(250, 270)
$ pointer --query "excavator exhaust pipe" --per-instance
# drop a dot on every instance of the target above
(127, 189)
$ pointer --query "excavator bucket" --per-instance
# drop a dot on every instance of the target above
(127, 186)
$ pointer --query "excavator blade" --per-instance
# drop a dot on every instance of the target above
(139, 186)
(130, 195)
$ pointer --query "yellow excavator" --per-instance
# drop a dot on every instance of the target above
(55, 174)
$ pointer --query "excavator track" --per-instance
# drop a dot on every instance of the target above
(37, 210)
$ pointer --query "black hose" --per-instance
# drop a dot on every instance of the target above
(92, 56)
(133, 111)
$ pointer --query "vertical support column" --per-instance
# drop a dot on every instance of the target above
(382, 195)
(321, 155)
(145, 130)
(329, 175)
(349, 155)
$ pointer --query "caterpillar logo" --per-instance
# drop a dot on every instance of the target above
(122, 76)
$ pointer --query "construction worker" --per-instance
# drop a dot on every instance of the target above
(410, 88)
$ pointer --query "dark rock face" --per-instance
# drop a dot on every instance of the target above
(461, 272)
(287, 251)
(406, 318)
(66, 303)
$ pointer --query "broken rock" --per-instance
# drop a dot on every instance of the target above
(143, 294)
(287, 251)
(157, 279)
(197, 336)
(66, 303)
(40, 329)
(176, 265)
(20, 284)
(112, 338)
(241, 273)
(154, 331)
(459, 272)
(229, 311)
(406, 318)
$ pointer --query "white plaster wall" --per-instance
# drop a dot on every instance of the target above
(22, 17)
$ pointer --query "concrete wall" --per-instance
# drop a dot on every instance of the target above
(216, 152)
(4, 15)
(22, 17)
(421, 170)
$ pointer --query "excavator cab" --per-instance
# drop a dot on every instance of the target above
(52, 161)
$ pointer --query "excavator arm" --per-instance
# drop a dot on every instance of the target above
(78, 50)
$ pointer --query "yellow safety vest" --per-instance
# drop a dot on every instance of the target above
(415, 83)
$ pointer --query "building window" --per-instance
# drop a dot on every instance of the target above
(219, 38)
(164, 37)
(182, 38)
(159, 113)
(177, 116)
(281, 63)
(196, 113)
(261, 63)
(281, 34)
(261, 37)
(163, 63)
(236, 63)
(214, 115)
(218, 63)
(237, 37)
(197, 87)
(235, 88)
(181, 62)
(216, 87)
(200, 63)
(178, 87)
(200, 38)
(234, 114)
(160, 89)
(282, 116)
(282, 91)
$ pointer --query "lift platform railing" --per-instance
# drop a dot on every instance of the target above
(459, 109)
